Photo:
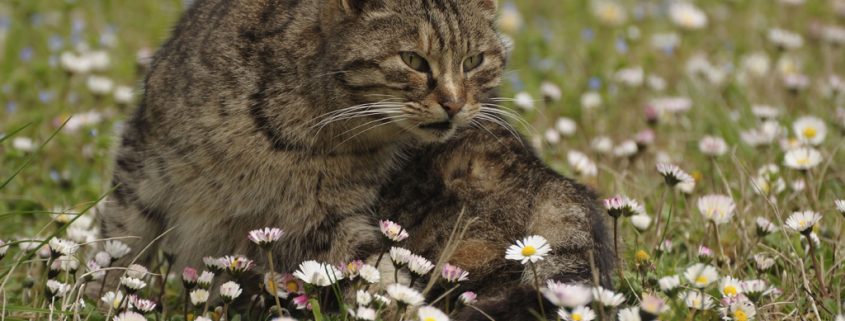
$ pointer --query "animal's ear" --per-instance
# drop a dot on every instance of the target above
(489, 7)
(333, 11)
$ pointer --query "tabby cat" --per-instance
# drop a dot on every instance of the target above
(312, 115)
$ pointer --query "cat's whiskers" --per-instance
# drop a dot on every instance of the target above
(498, 121)
(373, 110)
(389, 120)
(504, 111)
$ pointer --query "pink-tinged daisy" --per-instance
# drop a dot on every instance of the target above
(352, 269)
(454, 274)
(622, 206)
(393, 231)
(142, 305)
(704, 253)
(189, 277)
(266, 236)
(712, 146)
(530, 249)
(652, 306)
(803, 222)
(301, 302)
(582, 313)
(205, 278)
(230, 291)
(468, 297)
(95, 271)
(274, 284)
(673, 175)
(236, 265)
(567, 295)
(718, 209)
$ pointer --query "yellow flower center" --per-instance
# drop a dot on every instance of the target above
(803, 161)
(810, 132)
(702, 280)
(730, 290)
(740, 315)
(292, 286)
(802, 224)
(528, 250)
(576, 317)
(642, 256)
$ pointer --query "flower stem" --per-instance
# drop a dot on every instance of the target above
(273, 282)
(537, 288)
(225, 315)
(668, 219)
(817, 266)
(187, 294)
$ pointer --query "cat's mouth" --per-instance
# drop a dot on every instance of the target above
(438, 126)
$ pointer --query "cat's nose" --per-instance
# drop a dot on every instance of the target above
(453, 106)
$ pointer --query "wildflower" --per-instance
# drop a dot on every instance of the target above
(582, 313)
(626, 149)
(840, 206)
(566, 295)
(641, 222)
(65, 263)
(237, 264)
(189, 277)
(581, 164)
(552, 136)
(99, 85)
(453, 274)
(274, 284)
(810, 130)
(58, 289)
(644, 138)
(381, 300)
(129, 316)
(652, 306)
(665, 247)
(802, 158)
(199, 297)
(785, 39)
(136, 271)
(363, 297)
(123, 95)
(740, 310)
(700, 275)
(754, 289)
(566, 126)
(230, 291)
(763, 263)
(712, 146)
(468, 298)
(205, 278)
(673, 175)
(132, 285)
(629, 314)
(718, 209)
(364, 313)
(400, 256)
(730, 287)
(602, 145)
(319, 274)
(631, 77)
(96, 271)
(765, 112)
(609, 12)
(266, 236)
(142, 305)
(551, 92)
(429, 313)
(764, 227)
(607, 298)
(420, 265)
(301, 302)
(215, 264)
(405, 295)
(60, 247)
(369, 273)
(116, 249)
(524, 101)
(669, 284)
(113, 299)
(803, 222)
(695, 300)
(393, 231)
(533, 248)
(350, 270)
(75, 64)
(622, 206)
(641, 256)
(687, 16)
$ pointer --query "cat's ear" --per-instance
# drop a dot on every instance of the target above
(490, 7)
(338, 10)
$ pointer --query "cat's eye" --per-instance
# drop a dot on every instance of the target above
(473, 62)
(415, 61)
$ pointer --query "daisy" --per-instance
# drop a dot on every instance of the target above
(66, 264)
(369, 273)
(687, 16)
(230, 291)
(266, 236)
(205, 278)
(641, 222)
(400, 256)
(215, 264)
(764, 227)
(380, 300)
(363, 297)
(132, 285)
(607, 298)
(566, 126)
(468, 297)
(364, 313)
(60, 247)
(566, 295)
(428, 313)
(582, 313)
(810, 130)
(274, 284)
(199, 297)
(319, 274)
(700, 275)
(58, 289)
(551, 92)
(552, 136)
(113, 299)
(130, 316)
(350, 270)
(718, 209)
(695, 300)
(95, 271)
(712, 146)
(189, 277)
(453, 274)
(609, 12)
(420, 265)
(765, 112)
(673, 175)
(626, 149)
(622, 206)
(652, 305)
(123, 95)
(116, 249)
(802, 158)
(603, 145)
(669, 284)
(785, 39)
(393, 231)
(740, 310)
(524, 100)
(754, 289)
(840, 206)
(629, 314)
(237, 264)
(99, 85)
(405, 295)
(763, 263)
(730, 287)
(302, 302)
(136, 271)
(803, 222)
(142, 305)
(530, 249)
(581, 164)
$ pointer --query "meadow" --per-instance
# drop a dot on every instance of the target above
(711, 129)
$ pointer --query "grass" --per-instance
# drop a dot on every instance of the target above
(49, 169)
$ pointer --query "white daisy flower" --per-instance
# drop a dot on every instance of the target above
(764, 226)
(610, 13)
(581, 164)
(785, 39)
(116, 249)
(802, 158)
(400, 256)
(468, 298)
(716, 208)
(123, 95)
(393, 231)
(524, 100)
(199, 297)
(130, 316)
(754, 288)
(739, 310)
(136, 271)
(65, 263)
(810, 130)
(840, 206)
(763, 263)
(428, 313)
(99, 85)
(607, 298)
(603, 145)
(765, 112)
(530, 249)
(552, 136)
(364, 313)
(695, 300)
(566, 126)
(629, 314)
(370, 274)
(641, 222)
(712, 146)
(686, 15)
(142, 305)
(551, 92)
(669, 284)
(237, 264)
(567, 295)
(63, 247)
(113, 299)
(205, 278)
(626, 149)
(420, 265)
(230, 291)
(623, 206)
(266, 236)
(363, 297)
(673, 175)
(132, 284)
(803, 222)
(700, 275)
(58, 289)
(730, 287)
(319, 274)
(103, 259)
(405, 295)
(582, 313)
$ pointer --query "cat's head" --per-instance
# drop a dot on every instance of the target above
(424, 66)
